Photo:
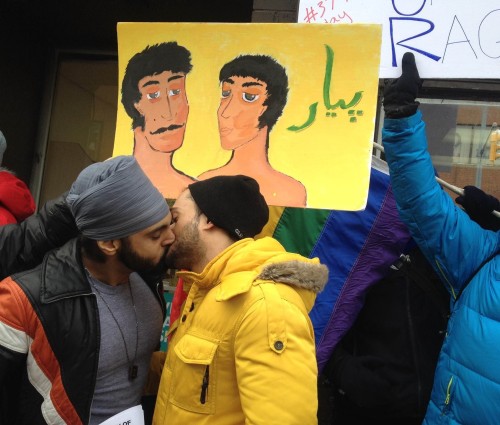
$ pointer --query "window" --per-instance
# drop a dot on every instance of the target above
(82, 119)
(460, 134)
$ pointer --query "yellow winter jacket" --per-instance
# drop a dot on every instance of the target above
(243, 351)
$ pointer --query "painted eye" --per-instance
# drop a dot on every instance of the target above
(174, 92)
(226, 93)
(153, 96)
(249, 97)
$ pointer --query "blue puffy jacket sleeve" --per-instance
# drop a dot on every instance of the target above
(455, 245)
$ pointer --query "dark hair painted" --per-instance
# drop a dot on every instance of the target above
(152, 60)
(267, 70)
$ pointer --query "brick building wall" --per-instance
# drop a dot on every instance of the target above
(461, 176)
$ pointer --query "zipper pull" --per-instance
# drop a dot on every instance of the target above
(204, 387)
(447, 400)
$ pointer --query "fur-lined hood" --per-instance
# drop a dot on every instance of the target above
(249, 261)
(311, 276)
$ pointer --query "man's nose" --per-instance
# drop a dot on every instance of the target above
(226, 108)
(169, 237)
(164, 109)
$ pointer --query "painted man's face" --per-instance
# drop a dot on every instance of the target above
(240, 107)
(165, 109)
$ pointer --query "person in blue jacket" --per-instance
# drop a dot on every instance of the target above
(466, 386)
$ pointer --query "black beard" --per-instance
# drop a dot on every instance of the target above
(130, 258)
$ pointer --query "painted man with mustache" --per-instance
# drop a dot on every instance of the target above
(154, 96)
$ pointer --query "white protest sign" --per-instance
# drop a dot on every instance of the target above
(450, 38)
(132, 416)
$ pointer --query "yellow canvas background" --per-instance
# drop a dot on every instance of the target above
(332, 157)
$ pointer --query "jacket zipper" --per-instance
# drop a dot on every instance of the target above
(204, 386)
(96, 365)
(448, 396)
(443, 275)
(161, 300)
(413, 343)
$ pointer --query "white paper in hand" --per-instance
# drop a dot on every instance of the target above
(132, 416)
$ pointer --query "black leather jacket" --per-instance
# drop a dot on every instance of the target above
(23, 246)
(62, 302)
(59, 294)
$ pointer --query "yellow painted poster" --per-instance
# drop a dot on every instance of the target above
(291, 105)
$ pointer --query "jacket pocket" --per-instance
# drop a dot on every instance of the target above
(450, 389)
(194, 374)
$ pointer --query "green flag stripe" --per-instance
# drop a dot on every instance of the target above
(298, 229)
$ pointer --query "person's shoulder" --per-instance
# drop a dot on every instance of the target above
(211, 173)
(7, 175)
(181, 177)
(6, 217)
(32, 276)
(15, 197)
(286, 191)
(287, 182)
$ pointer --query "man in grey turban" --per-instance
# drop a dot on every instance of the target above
(82, 326)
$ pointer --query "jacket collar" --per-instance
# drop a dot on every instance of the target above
(63, 274)
(247, 261)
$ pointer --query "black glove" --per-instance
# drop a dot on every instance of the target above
(400, 94)
(479, 206)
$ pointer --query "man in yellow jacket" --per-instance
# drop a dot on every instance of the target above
(243, 350)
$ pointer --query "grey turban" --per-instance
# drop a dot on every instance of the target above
(115, 199)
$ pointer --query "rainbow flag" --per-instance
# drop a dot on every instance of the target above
(358, 248)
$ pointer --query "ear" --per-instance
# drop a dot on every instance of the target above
(262, 110)
(109, 247)
(136, 106)
(205, 223)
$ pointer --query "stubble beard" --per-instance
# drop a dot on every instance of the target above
(187, 249)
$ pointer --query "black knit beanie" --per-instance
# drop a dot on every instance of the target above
(233, 203)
